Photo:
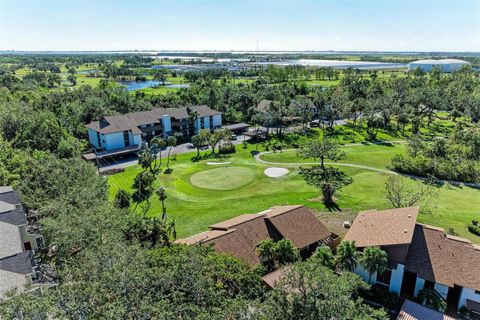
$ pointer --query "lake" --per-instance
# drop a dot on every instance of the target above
(137, 85)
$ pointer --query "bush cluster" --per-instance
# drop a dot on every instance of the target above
(474, 227)
(457, 158)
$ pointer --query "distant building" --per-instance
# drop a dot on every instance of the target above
(420, 256)
(240, 236)
(17, 245)
(125, 133)
(446, 65)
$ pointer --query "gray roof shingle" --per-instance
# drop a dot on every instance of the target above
(16, 217)
(21, 263)
(131, 121)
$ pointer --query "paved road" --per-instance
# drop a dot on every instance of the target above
(108, 164)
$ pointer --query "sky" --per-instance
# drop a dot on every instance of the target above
(389, 25)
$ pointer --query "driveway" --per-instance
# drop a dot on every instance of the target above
(111, 163)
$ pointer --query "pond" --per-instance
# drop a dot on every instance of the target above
(137, 85)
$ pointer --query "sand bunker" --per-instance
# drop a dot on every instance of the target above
(275, 172)
(218, 163)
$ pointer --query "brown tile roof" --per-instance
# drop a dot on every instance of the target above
(264, 105)
(288, 220)
(204, 237)
(414, 311)
(231, 223)
(244, 241)
(272, 278)
(131, 121)
(383, 228)
(445, 259)
(241, 235)
(111, 124)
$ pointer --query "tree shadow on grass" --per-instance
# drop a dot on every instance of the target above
(332, 206)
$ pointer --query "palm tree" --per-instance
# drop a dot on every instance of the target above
(323, 255)
(162, 196)
(193, 117)
(171, 142)
(157, 143)
(346, 257)
(429, 298)
(374, 260)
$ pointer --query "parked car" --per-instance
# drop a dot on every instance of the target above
(233, 136)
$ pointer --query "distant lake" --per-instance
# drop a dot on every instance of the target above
(137, 85)
(340, 64)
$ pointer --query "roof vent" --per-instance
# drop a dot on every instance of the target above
(405, 230)
(409, 215)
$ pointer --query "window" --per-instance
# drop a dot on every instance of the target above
(27, 245)
(385, 277)
(126, 138)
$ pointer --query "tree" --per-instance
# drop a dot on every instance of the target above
(374, 260)
(160, 75)
(280, 252)
(284, 252)
(430, 298)
(265, 250)
(162, 196)
(171, 142)
(308, 291)
(198, 141)
(321, 149)
(213, 138)
(72, 79)
(143, 186)
(324, 256)
(122, 199)
(328, 179)
(346, 257)
(147, 157)
(400, 193)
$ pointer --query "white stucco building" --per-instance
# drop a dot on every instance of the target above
(420, 256)
(446, 65)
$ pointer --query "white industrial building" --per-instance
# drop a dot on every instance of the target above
(446, 65)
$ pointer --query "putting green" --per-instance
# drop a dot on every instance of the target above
(224, 178)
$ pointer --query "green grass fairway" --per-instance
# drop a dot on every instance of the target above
(377, 156)
(224, 178)
(195, 208)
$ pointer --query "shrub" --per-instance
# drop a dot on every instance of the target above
(474, 227)
(122, 199)
(226, 149)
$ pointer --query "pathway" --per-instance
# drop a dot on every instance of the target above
(353, 165)
(259, 159)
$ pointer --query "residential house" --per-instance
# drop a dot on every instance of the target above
(17, 244)
(241, 235)
(420, 256)
(126, 132)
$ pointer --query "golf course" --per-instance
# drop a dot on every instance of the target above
(201, 193)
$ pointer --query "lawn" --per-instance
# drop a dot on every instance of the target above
(211, 198)
(377, 156)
